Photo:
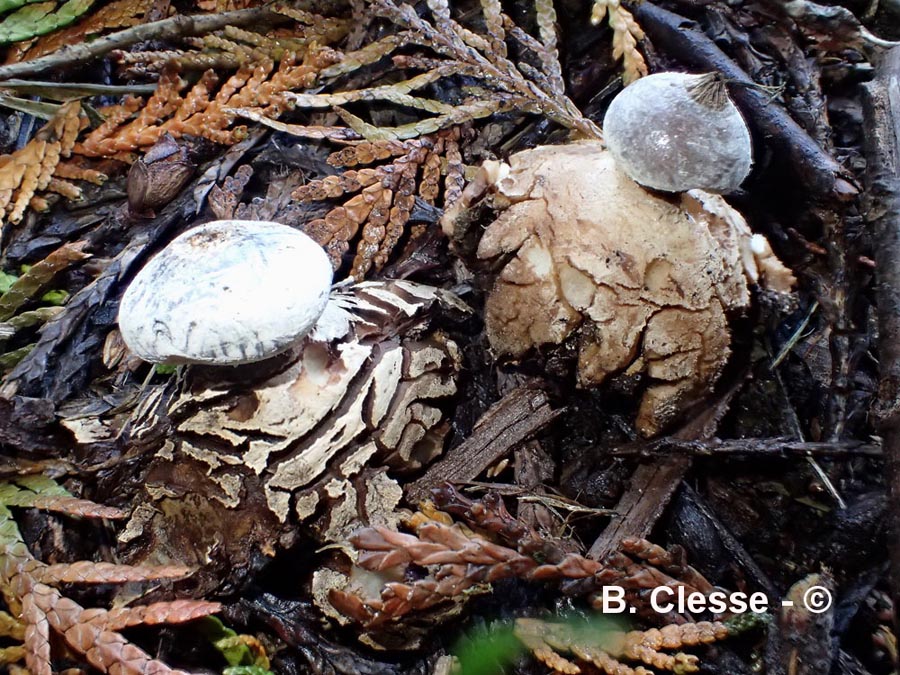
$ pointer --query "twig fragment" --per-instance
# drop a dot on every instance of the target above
(881, 105)
(165, 29)
(510, 421)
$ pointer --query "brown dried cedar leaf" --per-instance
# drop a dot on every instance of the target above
(72, 506)
(74, 170)
(31, 168)
(385, 195)
(37, 609)
(205, 109)
(106, 650)
(224, 199)
(89, 572)
(458, 559)
(176, 611)
(119, 14)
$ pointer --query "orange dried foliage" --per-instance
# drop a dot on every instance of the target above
(603, 648)
(458, 558)
(73, 171)
(28, 588)
(382, 197)
(200, 111)
(115, 15)
(31, 169)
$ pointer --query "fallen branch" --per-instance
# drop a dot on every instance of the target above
(684, 40)
(881, 104)
(167, 29)
(650, 490)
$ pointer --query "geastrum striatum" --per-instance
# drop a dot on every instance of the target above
(643, 282)
(301, 405)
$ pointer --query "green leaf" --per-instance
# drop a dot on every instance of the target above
(55, 298)
(40, 18)
(246, 670)
(233, 647)
(235, 651)
(25, 489)
(6, 281)
(741, 623)
(214, 630)
(163, 369)
(7, 5)
(38, 277)
(489, 651)
(10, 360)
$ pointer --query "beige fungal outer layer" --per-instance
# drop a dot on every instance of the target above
(225, 293)
(643, 283)
(678, 132)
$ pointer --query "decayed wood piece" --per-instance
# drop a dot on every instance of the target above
(28, 428)
(652, 485)
(534, 468)
(881, 102)
(681, 38)
(512, 420)
(753, 573)
(651, 488)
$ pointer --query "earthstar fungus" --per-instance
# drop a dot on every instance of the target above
(225, 293)
(677, 132)
(643, 283)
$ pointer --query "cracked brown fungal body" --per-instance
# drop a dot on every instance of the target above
(314, 437)
(643, 283)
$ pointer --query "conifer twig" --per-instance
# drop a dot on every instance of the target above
(166, 29)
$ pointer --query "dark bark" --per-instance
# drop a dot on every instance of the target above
(881, 101)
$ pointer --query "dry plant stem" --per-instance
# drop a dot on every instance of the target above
(748, 447)
(512, 420)
(881, 102)
(684, 40)
(167, 29)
